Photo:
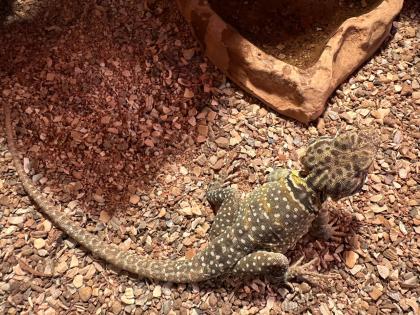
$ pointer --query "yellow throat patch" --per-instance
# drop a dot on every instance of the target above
(297, 180)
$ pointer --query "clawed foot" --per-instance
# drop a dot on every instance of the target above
(215, 185)
(326, 230)
(223, 182)
(331, 232)
(302, 273)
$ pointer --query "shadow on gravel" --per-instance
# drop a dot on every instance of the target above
(79, 64)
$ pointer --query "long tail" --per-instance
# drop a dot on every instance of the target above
(181, 271)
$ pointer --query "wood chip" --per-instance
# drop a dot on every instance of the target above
(376, 293)
(134, 199)
(128, 296)
(188, 93)
(39, 243)
(85, 293)
(350, 258)
(104, 216)
(78, 281)
(16, 220)
(383, 271)
(157, 291)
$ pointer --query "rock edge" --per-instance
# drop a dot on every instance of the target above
(294, 92)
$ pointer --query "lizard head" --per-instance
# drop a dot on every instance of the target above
(337, 166)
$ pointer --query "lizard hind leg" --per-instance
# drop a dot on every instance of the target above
(263, 262)
(302, 272)
(276, 265)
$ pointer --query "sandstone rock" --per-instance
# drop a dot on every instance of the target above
(296, 92)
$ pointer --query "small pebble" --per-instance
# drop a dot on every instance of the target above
(85, 293)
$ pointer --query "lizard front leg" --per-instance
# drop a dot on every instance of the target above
(323, 228)
(216, 194)
(226, 202)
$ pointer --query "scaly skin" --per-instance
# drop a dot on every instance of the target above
(276, 214)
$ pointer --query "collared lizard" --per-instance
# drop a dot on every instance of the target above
(276, 214)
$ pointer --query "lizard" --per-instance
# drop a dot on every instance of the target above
(245, 230)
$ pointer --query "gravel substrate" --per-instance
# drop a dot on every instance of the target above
(123, 123)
